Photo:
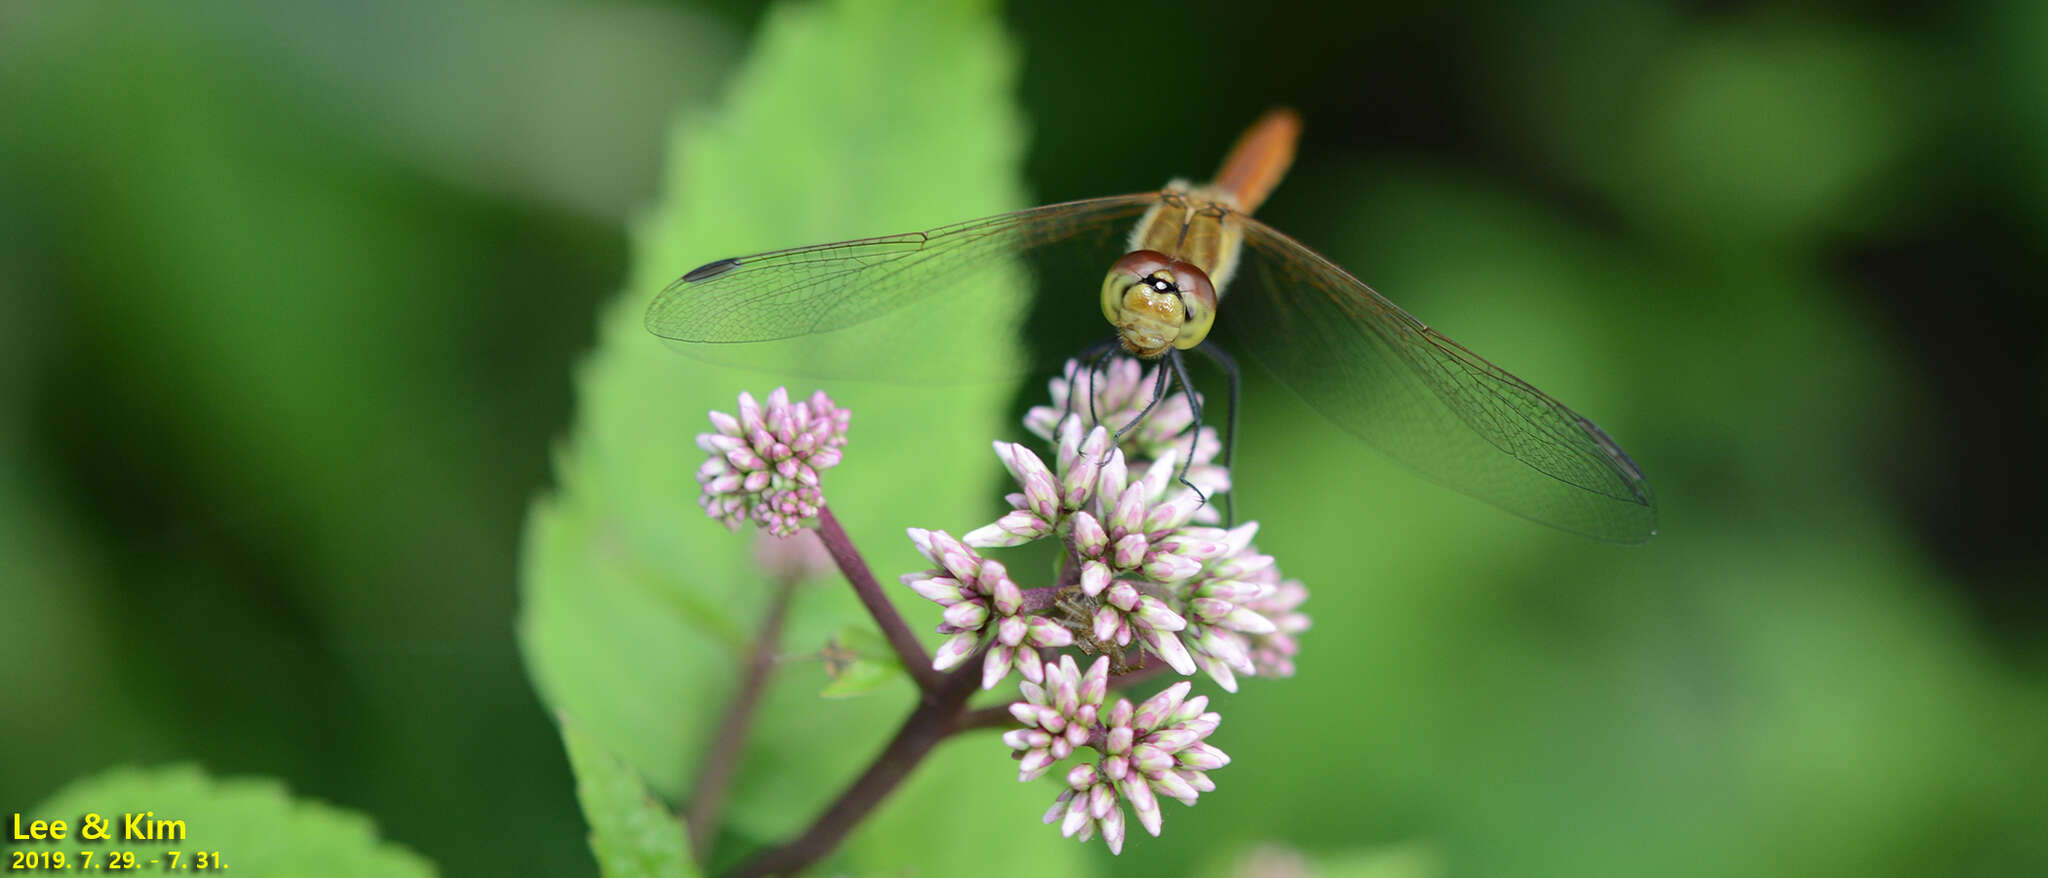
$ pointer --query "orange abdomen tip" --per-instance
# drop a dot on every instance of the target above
(1260, 158)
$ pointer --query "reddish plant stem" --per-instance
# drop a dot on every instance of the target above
(1036, 599)
(915, 660)
(929, 724)
(714, 779)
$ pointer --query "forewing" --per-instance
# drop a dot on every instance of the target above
(1425, 400)
(868, 308)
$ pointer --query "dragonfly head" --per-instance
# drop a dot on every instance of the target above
(1157, 302)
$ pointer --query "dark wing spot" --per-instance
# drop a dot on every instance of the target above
(710, 270)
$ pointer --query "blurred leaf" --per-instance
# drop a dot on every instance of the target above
(494, 94)
(296, 385)
(836, 127)
(630, 832)
(859, 662)
(862, 640)
(1767, 133)
(2016, 104)
(1757, 131)
(863, 677)
(254, 825)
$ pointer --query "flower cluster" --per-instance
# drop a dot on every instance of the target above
(1147, 750)
(1146, 572)
(1242, 616)
(1150, 575)
(1129, 547)
(981, 604)
(765, 461)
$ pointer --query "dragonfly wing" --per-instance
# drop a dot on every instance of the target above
(843, 305)
(1424, 399)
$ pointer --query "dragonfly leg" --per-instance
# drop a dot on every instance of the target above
(1090, 361)
(1158, 393)
(1187, 386)
(1096, 367)
(1073, 377)
(1229, 366)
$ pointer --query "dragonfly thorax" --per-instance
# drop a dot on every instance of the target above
(1157, 302)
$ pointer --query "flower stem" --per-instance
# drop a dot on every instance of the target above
(908, 650)
(929, 724)
(983, 718)
(714, 780)
(1036, 599)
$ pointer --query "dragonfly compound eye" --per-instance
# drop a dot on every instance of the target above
(1157, 302)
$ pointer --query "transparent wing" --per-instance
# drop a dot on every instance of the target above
(868, 308)
(1425, 400)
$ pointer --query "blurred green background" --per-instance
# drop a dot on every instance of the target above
(292, 296)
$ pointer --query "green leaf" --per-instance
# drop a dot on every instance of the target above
(630, 832)
(253, 825)
(863, 677)
(859, 662)
(637, 610)
(863, 640)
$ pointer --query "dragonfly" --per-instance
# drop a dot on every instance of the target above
(1196, 270)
